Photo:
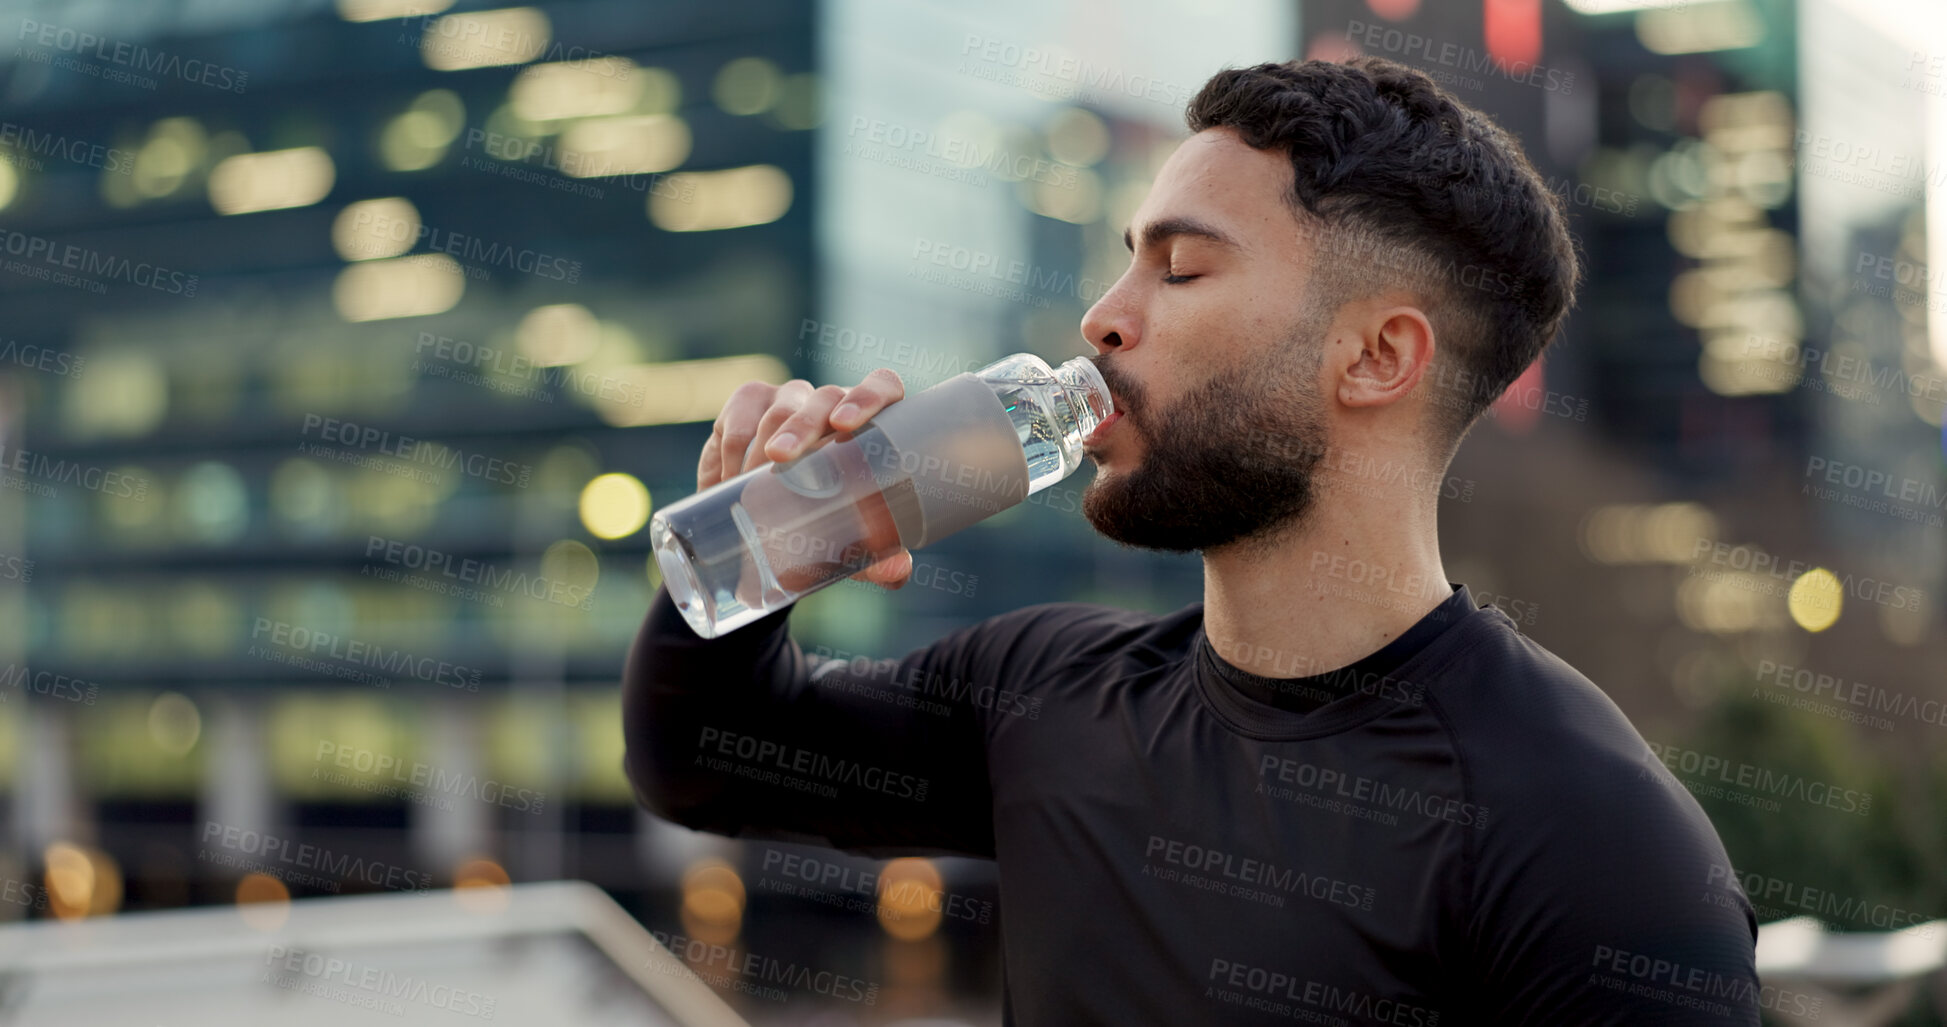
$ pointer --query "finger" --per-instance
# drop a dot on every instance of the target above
(736, 426)
(790, 397)
(808, 425)
(880, 389)
(890, 572)
(709, 466)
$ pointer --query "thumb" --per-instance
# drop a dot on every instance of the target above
(892, 571)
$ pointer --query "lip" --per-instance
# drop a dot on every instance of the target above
(1101, 430)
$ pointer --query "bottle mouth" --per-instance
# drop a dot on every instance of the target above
(1089, 392)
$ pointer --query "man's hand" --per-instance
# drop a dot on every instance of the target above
(764, 423)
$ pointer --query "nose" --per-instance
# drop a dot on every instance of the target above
(1111, 323)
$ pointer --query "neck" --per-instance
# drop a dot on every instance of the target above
(1361, 567)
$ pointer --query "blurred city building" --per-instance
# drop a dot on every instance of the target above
(347, 347)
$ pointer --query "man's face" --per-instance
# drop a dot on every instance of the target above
(1212, 355)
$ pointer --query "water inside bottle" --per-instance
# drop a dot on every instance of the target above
(784, 532)
(1051, 416)
(755, 545)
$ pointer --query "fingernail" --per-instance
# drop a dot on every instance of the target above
(845, 412)
(783, 443)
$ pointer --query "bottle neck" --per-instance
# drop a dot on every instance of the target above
(1053, 410)
(1093, 403)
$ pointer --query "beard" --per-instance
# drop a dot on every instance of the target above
(1232, 461)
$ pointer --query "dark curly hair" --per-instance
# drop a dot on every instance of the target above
(1401, 185)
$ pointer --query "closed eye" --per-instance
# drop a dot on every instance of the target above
(1178, 279)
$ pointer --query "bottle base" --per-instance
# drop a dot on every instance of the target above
(679, 577)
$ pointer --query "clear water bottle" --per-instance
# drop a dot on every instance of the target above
(922, 469)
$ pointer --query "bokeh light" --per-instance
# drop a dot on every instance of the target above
(263, 902)
(712, 902)
(614, 505)
(174, 723)
(1816, 599)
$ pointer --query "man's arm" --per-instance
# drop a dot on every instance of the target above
(743, 735)
(1611, 903)
(747, 735)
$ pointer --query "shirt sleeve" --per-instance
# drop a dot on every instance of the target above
(747, 736)
(1603, 900)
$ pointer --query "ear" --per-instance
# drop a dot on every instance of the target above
(1395, 350)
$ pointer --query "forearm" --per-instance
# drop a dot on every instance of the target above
(732, 736)
(675, 685)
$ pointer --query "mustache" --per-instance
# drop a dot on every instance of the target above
(1128, 394)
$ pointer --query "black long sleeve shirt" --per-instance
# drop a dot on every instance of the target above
(1460, 829)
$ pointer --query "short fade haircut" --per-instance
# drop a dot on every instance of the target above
(1401, 185)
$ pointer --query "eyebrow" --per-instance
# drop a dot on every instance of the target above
(1164, 228)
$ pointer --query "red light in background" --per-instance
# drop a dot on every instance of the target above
(1394, 10)
(1517, 409)
(1513, 30)
(1332, 46)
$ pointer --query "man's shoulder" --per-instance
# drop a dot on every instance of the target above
(1554, 755)
(1506, 682)
(1522, 714)
(1095, 616)
(1046, 635)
